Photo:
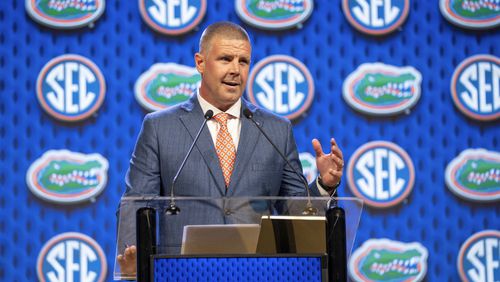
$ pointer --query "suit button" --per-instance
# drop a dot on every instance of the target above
(227, 212)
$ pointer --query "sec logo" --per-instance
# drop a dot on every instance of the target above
(172, 17)
(376, 17)
(475, 87)
(381, 173)
(479, 257)
(281, 84)
(71, 257)
(70, 88)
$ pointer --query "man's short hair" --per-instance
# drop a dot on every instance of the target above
(227, 30)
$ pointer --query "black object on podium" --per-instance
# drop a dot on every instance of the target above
(146, 241)
(336, 244)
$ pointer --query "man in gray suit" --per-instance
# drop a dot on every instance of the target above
(244, 163)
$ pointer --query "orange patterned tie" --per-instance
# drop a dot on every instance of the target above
(225, 147)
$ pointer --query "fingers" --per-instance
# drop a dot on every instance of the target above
(335, 148)
(317, 148)
(128, 261)
(335, 173)
(130, 252)
(337, 153)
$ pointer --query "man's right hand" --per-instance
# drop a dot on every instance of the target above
(128, 262)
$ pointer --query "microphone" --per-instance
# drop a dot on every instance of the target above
(173, 209)
(309, 209)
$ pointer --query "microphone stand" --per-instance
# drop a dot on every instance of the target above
(309, 209)
(173, 209)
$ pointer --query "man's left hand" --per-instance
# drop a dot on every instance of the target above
(330, 166)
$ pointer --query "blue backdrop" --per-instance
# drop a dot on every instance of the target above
(123, 46)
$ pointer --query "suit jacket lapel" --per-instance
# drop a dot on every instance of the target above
(249, 136)
(192, 120)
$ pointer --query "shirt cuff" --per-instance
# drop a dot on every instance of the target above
(322, 190)
(325, 190)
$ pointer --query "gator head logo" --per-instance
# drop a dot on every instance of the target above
(475, 87)
(475, 175)
(309, 169)
(387, 260)
(66, 177)
(71, 256)
(172, 17)
(70, 88)
(380, 89)
(376, 17)
(166, 85)
(274, 14)
(282, 85)
(472, 14)
(381, 173)
(65, 14)
(478, 259)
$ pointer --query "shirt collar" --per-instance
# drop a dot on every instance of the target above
(234, 111)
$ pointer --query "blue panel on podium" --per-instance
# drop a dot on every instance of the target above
(239, 268)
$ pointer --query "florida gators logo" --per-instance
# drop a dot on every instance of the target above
(475, 175)
(381, 173)
(65, 14)
(309, 169)
(475, 87)
(274, 14)
(67, 177)
(388, 260)
(380, 89)
(479, 259)
(71, 256)
(172, 17)
(376, 17)
(70, 88)
(166, 85)
(281, 84)
(472, 14)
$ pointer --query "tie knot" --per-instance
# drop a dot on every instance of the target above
(221, 118)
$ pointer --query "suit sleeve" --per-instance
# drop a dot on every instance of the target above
(291, 185)
(143, 176)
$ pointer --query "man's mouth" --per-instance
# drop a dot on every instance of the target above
(231, 83)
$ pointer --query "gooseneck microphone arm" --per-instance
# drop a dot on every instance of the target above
(309, 210)
(173, 209)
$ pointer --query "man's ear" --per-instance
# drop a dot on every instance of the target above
(199, 60)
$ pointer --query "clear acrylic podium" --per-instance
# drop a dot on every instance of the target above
(158, 230)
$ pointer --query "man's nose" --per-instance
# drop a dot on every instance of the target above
(234, 67)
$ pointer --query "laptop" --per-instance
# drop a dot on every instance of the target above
(281, 234)
(275, 235)
(220, 239)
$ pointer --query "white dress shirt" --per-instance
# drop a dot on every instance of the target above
(233, 123)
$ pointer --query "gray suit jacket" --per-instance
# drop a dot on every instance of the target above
(165, 138)
(163, 142)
